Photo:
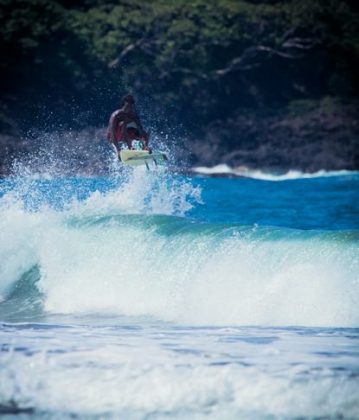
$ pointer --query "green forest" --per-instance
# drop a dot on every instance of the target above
(244, 79)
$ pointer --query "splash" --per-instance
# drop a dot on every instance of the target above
(35, 210)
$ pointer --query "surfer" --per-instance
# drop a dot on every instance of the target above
(125, 126)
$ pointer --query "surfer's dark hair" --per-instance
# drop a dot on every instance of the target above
(128, 98)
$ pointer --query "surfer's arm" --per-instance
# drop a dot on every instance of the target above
(116, 143)
(111, 130)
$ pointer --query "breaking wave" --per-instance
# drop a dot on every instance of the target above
(126, 251)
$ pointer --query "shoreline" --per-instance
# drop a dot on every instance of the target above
(216, 171)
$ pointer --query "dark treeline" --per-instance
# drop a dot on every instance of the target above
(239, 75)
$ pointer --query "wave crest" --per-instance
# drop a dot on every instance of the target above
(178, 270)
(226, 170)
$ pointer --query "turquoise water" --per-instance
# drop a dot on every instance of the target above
(156, 295)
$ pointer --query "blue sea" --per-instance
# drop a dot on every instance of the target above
(157, 295)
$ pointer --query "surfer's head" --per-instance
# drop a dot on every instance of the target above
(128, 99)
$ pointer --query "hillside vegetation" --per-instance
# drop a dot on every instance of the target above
(240, 76)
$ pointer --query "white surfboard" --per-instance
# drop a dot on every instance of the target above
(142, 157)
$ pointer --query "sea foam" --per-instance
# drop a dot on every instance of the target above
(226, 170)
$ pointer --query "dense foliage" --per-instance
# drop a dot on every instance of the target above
(201, 60)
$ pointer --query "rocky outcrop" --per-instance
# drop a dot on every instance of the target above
(324, 137)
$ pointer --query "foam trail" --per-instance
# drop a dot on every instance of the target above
(224, 169)
(136, 384)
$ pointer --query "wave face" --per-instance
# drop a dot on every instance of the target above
(120, 249)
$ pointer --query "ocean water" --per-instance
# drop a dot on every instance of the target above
(154, 295)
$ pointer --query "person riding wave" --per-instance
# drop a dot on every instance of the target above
(125, 126)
